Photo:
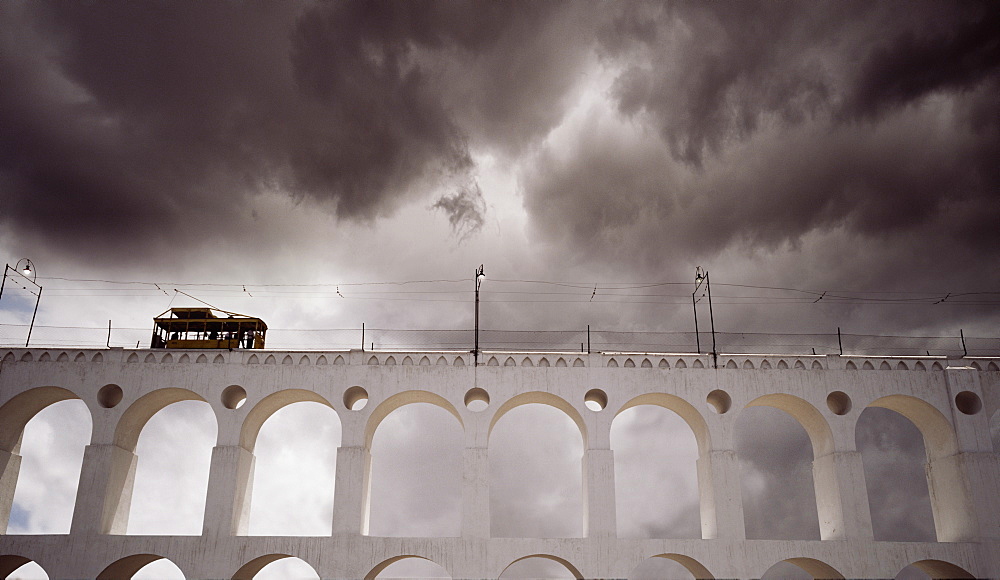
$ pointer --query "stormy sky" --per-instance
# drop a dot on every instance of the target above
(281, 159)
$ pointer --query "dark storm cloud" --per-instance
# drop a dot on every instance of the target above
(147, 122)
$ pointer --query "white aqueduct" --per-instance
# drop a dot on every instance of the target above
(950, 401)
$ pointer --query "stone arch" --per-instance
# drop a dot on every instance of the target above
(305, 360)
(63, 357)
(992, 366)
(696, 568)
(46, 358)
(459, 361)
(527, 362)
(249, 570)
(253, 360)
(684, 409)
(167, 358)
(425, 362)
(884, 366)
(816, 366)
(937, 366)
(901, 366)
(579, 362)
(748, 364)
(782, 364)
(80, 357)
(939, 436)
(133, 358)
(287, 360)
(339, 360)
(868, 366)
(955, 517)
(408, 361)
(270, 360)
(572, 569)
(680, 364)
(816, 568)
(919, 366)
(629, 363)
(493, 362)
(764, 364)
(816, 426)
(731, 364)
(441, 361)
(612, 363)
(543, 362)
(646, 364)
(268, 406)
(184, 359)
(391, 361)
(663, 364)
(544, 399)
(509, 362)
(561, 362)
(202, 359)
(381, 566)
(142, 410)
(851, 366)
(373, 360)
(698, 364)
(405, 398)
(127, 567)
(9, 357)
(941, 569)
(799, 365)
(22, 407)
(975, 364)
(27, 357)
(321, 361)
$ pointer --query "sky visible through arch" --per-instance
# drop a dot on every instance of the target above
(266, 158)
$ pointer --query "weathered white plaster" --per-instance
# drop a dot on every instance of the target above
(963, 470)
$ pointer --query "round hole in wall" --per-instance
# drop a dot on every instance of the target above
(968, 402)
(477, 399)
(596, 400)
(719, 400)
(355, 398)
(109, 396)
(839, 403)
(234, 396)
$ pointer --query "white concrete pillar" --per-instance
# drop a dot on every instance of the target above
(476, 492)
(599, 519)
(104, 495)
(10, 466)
(720, 495)
(950, 491)
(230, 486)
(352, 491)
(842, 497)
(983, 473)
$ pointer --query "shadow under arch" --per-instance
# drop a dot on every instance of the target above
(381, 566)
(820, 434)
(543, 398)
(139, 413)
(401, 399)
(684, 409)
(940, 569)
(818, 569)
(572, 569)
(693, 566)
(955, 517)
(270, 405)
(9, 563)
(127, 566)
(22, 407)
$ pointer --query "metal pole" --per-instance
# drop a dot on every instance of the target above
(4, 282)
(475, 348)
(694, 306)
(711, 317)
(965, 351)
(362, 337)
(37, 300)
(840, 342)
(588, 339)
(109, 334)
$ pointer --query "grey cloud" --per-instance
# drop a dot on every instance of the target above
(466, 209)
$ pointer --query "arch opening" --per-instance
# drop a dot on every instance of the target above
(540, 566)
(776, 476)
(294, 475)
(174, 452)
(932, 569)
(894, 458)
(535, 459)
(52, 448)
(408, 566)
(276, 567)
(670, 566)
(21, 568)
(142, 567)
(416, 474)
(801, 568)
(656, 475)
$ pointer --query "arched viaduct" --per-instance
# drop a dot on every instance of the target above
(950, 401)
